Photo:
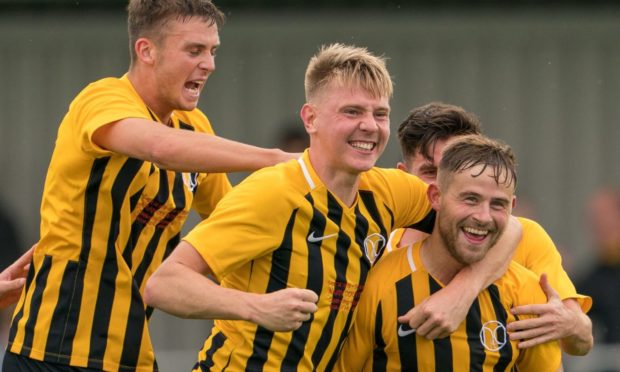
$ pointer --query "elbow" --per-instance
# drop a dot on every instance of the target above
(150, 293)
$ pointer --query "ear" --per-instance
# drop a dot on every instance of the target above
(308, 116)
(434, 195)
(514, 202)
(145, 50)
(400, 165)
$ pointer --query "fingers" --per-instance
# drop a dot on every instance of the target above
(547, 288)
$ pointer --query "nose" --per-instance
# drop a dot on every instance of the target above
(482, 214)
(207, 63)
(369, 123)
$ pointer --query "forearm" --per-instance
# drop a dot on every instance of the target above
(206, 153)
(495, 262)
(580, 341)
(187, 294)
(184, 150)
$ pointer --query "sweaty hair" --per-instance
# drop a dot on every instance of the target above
(469, 151)
(433, 122)
(148, 18)
(347, 65)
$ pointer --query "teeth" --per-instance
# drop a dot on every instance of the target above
(363, 145)
(471, 230)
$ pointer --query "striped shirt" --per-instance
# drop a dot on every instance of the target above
(282, 228)
(107, 222)
(377, 342)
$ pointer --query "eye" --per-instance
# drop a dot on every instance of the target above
(499, 206)
(381, 115)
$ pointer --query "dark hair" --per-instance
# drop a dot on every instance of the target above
(469, 151)
(432, 122)
(148, 17)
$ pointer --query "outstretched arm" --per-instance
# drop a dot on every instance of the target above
(180, 287)
(184, 150)
(556, 320)
(12, 279)
(440, 314)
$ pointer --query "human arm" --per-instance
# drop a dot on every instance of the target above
(440, 314)
(183, 150)
(180, 287)
(13, 278)
(558, 319)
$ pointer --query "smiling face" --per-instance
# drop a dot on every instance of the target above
(473, 210)
(348, 127)
(182, 61)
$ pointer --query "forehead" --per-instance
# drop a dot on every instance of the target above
(338, 93)
(482, 182)
(190, 27)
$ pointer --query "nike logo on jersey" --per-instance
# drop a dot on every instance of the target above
(402, 332)
(315, 239)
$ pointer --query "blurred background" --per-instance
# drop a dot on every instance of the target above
(543, 76)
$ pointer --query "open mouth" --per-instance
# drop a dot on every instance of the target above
(194, 87)
(475, 235)
(360, 145)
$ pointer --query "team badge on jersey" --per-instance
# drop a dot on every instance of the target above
(191, 181)
(493, 335)
(373, 246)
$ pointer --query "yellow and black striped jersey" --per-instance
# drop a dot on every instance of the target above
(107, 222)
(537, 252)
(282, 228)
(377, 342)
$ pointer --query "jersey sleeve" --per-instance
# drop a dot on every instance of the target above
(543, 357)
(537, 252)
(407, 199)
(247, 223)
(101, 103)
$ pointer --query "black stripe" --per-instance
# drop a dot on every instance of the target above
(442, 346)
(295, 350)
(216, 343)
(107, 282)
(91, 196)
(427, 223)
(407, 344)
(473, 325)
(379, 357)
(56, 335)
(185, 126)
(20, 313)
(505, 353)
(369, 201)
(35, 303)
(341, 262)
(361, 234)
(278, 278)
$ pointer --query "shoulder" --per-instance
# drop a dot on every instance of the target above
(521, 284)
(194, 120)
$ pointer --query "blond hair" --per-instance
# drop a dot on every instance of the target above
(347, 65)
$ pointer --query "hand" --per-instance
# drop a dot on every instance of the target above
(553, 321)
(12, 279)
(284, 310)
(440, 314)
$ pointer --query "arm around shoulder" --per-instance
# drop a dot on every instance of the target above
(183, 150)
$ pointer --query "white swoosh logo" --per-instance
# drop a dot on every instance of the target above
(314, 239)
(405, 332)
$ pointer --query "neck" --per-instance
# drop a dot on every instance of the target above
(437, 259)
(343, 185)
(147, 90)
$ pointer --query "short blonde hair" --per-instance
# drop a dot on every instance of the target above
(347, 65)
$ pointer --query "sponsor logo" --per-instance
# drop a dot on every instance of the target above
(316, 239)
(402, 332)
(493, 335)
(373, 246)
